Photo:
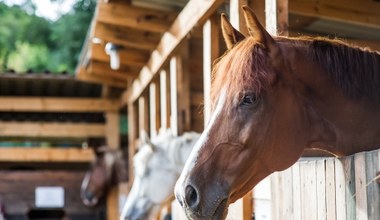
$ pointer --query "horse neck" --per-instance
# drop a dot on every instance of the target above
(340, 124)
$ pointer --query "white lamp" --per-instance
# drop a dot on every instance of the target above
(112, 50)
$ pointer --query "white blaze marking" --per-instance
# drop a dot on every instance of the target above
(191, 161)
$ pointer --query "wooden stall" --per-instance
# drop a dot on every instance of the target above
(329, 188)
(167, 48)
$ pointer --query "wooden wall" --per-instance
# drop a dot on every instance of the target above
(17, 190)
(328, 188)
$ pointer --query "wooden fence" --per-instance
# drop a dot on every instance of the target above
(328, 188)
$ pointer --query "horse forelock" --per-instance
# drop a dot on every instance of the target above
(244, 67)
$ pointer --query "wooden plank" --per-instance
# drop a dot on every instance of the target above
(173, 95)
(321, 189)
(113, 129)
(143, 114)
(154, 109)
(126, 37)
(360, 186)
(275, 195)
(308, 190)
(38, 104)
(372, 187)
(286, 199)
(194, 13)
(103, 69)
(276, 14)
(210, 53)
(51, 129)
(183, 90)
(296, 178)
(69, 155)
(349, 173)
(330, 189)
(362, 12)
(340, 191)
(132, 135)
(164, 99)
(82, 74)
(123, 14)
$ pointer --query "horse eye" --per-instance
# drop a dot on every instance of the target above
(248, 100)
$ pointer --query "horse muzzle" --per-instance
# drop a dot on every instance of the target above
(207, 203)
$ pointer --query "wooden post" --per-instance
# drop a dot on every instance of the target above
(180, 93)
(143, 114)
(113, 140)
(154, 109)
(210, 53)
(164, 100)
(132, 136)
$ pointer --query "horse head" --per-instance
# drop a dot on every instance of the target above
(247, 137)
(157, 166)
(107, 169)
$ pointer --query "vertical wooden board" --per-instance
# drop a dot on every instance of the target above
(173, 95)
(132, 135)
(287, 194)
(321, 189)
(237, 16)
(275, 195)
(143, 114)
(360, 187)
(349, 173)
(296, 175)
(113, 129)
(373, 192)
(113, 204)
(154, 109)
(164, 99)
(340, 190)
(183, 89)
(330, 189)
(210, 53)
(308, 189)
(262, 199)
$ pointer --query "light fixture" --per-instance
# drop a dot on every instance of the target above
(113, 51)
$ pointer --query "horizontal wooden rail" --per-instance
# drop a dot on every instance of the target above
(34, 104)
(54, 130)
(22, 154)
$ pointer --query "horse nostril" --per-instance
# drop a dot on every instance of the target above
(191, 197)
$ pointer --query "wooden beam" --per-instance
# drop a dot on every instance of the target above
(276, 16)
(362, 12)
(22, 154)
(195, 13)
(126, 37)
(123, 14)
(173, 95)
(132, 136)
(128, 57)
(37, 104)
(51, 129)
(104, 69)
(84, 75)
(210, 53)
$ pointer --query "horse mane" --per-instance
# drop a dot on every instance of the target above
(353, 69)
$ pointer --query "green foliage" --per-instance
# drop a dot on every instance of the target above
(31, 42)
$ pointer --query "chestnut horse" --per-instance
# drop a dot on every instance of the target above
(109, 168)
(272, 98)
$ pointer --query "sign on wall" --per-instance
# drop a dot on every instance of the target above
(50, 197)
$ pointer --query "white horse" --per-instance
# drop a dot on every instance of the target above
(157, 166)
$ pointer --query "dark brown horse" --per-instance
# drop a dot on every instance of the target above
(274, 97)
(109, 168)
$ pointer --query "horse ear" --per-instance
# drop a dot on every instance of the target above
(146, 140)
(230, 34)
(256, 30)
